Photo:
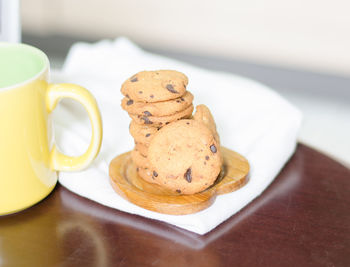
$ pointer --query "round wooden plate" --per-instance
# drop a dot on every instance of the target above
(128, 184)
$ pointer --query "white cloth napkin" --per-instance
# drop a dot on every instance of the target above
(251, 119)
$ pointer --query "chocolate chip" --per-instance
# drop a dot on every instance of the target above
(188, 175)
(130, 102)
(147, 135)
(127, 96)
(146, 120)
(140, 92)
(207, 157)
(213, 148)
(205, 163)
(155, 174)
(178, 101)
(134, 80)
(167, 122)
(187, 123)
(137, 169)
(182, 99)
(178, 191)
(147, 113)
(151, 96)
(171, 89)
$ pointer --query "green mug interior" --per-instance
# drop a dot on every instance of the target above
(20, 63)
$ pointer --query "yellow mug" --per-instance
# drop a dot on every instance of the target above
(29, 158)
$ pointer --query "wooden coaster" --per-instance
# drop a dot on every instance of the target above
(128, 184)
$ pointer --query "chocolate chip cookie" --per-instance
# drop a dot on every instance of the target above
(163, 108)
(142, 148)
(142, 133)
(204, 115)
(139, 159)
(145, 174)
(155, 86)
(163, 120)
(185, 157)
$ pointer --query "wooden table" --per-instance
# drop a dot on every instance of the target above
(302, 219)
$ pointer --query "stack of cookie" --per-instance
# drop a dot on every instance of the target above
(154, 99)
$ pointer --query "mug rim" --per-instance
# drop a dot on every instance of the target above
(32, 49)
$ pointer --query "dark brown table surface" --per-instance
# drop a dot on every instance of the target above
(301, 219)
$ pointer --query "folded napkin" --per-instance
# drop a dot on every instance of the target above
(251, 119)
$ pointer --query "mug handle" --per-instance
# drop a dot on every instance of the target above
(55, 93)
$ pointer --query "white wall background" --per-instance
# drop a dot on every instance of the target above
(312, 34)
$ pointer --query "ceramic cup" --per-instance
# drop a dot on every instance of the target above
(29, 158)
